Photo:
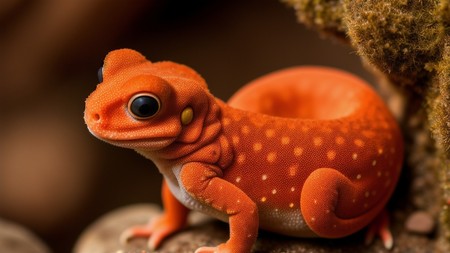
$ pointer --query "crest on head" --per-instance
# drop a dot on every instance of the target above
(121, 59)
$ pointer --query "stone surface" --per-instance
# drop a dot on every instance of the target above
(16, 239)
(103, 237)
(420, 222)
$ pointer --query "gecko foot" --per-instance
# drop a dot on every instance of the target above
(222, 248)
(380, 226)
(157, 230)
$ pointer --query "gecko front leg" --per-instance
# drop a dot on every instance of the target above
(172, 220)
(203, 183)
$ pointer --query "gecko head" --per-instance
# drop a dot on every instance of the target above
(146, 106)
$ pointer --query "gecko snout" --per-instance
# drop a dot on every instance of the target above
(92, 118)
(96, 117)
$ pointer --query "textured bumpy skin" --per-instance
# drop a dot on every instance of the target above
(306, 151)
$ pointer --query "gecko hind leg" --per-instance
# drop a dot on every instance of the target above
(328, 204)
(380, 226)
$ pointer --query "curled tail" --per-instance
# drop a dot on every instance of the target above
(333, 206)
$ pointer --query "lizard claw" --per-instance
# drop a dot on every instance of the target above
(156, 231)
(133, 232)
(222, 248)
(207, 250)
(380, 226)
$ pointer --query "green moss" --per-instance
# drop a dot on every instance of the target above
(439, 117)
(399, 37)
(324, 15)
(441, 109)
(445, 15)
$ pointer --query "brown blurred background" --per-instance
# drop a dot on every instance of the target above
(55, 178)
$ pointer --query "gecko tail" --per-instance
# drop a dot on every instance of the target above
(333, 206)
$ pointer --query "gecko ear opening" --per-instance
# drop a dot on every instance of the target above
(120, 59)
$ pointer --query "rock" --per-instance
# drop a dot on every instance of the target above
(14, 238)
(103, 237)
(420, 222)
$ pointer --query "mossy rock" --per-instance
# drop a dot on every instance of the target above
(407, 43)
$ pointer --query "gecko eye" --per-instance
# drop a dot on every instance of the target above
(100, 74)
(144, 106)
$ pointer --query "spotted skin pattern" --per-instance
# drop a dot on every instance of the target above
(307, 151)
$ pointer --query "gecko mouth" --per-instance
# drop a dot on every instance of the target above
(151, 143)
(145, 144)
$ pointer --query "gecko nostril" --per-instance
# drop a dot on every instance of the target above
(96, 117)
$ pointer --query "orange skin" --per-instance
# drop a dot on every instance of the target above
(305, 152)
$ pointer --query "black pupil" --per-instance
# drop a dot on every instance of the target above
(144, 106)
(100, 74)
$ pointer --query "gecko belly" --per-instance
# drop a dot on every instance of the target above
(287, 222)
(187, 200)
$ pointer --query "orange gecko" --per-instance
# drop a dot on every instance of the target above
(306, 151)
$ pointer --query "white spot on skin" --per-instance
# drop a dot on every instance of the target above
(270, 133)
(235, 140)
(238, 179)
(293, 170)
(358, 176)
(298, 151)
(340, 140)
(315, 202)
(380, 151)
(292, 189)
(313, 219)
(291, 205)
(368, 134)
(264, 177)
(257, 146)
(274, 191)
(359, 143)
(271, 157)
(285, 140)
(318, 141)
(374, 162)
(331, 155)
(226, 121)
(241, 158)
(263, 199)
(245, 129)
(354, 156)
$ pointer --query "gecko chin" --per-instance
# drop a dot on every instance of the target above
(150, 144)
